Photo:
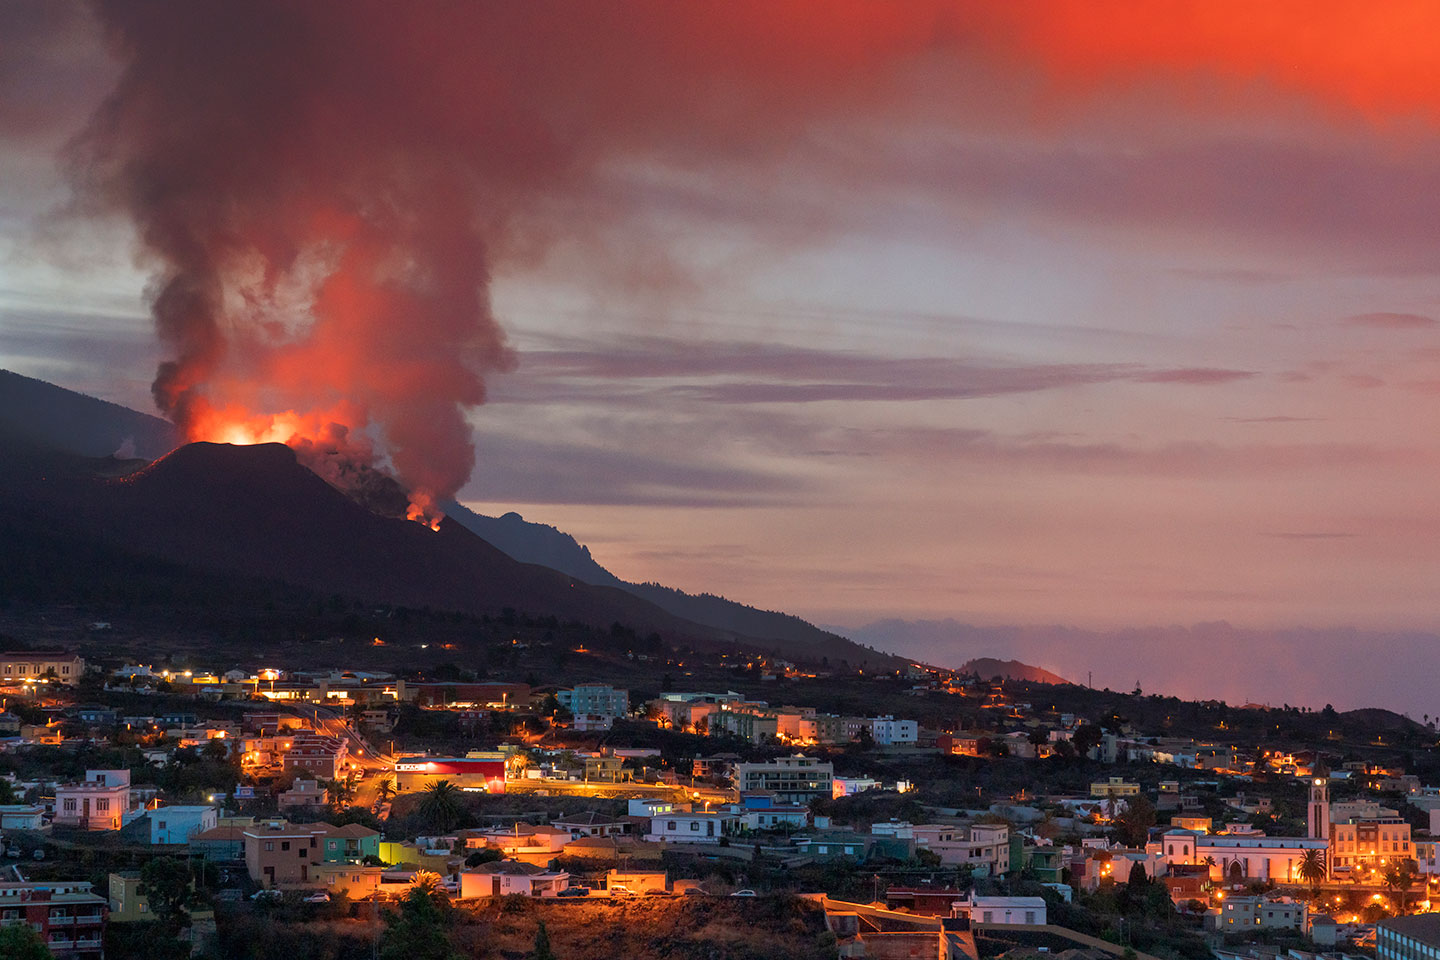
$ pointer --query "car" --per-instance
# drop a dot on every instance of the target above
(743, 893)
(574, 892)
(695, 892)
(657, 893)
(266, 895)
(321, 897)
(620, 890)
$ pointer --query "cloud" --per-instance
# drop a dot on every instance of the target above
(1197, 376)
(1279, 418)
(1312, 535)
(770, 373)
(1390, 321)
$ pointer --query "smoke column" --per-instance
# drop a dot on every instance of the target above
(322, 187)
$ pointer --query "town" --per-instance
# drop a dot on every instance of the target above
(204, 811)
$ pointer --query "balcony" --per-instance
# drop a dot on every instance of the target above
(61, 920)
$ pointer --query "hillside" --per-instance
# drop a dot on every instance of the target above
(255, 512)
(543, 544)
(72, 422)
(988, 668)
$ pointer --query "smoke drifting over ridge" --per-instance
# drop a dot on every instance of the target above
(323, 188)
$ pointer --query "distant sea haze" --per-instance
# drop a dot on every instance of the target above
(1344, 667)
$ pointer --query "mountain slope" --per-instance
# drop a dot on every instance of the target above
(73, 422)
(540, 543)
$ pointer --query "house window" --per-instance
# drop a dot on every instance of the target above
(270, 845)
(70, 806)
(1029, 916)
(284, 844)
(694, 827)
(102, 805)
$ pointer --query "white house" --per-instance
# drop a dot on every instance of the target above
(1029, 911)
(693, 827)
(21, 816)
(887, 731)
(506, 877)
(177, 824)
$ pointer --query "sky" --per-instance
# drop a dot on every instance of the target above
(1100, 314)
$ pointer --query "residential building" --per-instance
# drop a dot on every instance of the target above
(279, 853)
(22, 816)
(693, 827)
(350, 844)
(834, 844)
(511, 877)
(1364, 845)
(1027, 911)
(591, 824)
(887, 731)
(302, 795)
(355, 880)
(30, 666)
(638, 881)
(595, 698)
(795, 779)
(1408, 938)
(592, 722)
(760, 811)
(849, 786)
(68, 914)
(177, 823)
(1114, 787)
(1280, 913)
(99, 802)
(754, 727)
(317, 756)
(605, 770)
(985, 848)
(224, 843)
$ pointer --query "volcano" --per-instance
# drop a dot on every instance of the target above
(210, 513)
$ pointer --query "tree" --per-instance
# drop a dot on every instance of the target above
(1138, 880)
(484, 855)
(1086, 738)
(417, 932)
(340, 791)
(386, 789)
(1312, 869)
(542, 949)
(1401, 876)
(7, 793)
(1132, 826)
(440, 806)
(21, 942)
(165, 882)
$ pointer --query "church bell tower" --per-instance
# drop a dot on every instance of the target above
(1318, 818)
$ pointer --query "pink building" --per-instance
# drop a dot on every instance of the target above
(97, 803)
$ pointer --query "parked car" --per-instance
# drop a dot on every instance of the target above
(743, 893)
(695, 892)
(321, 897)
(266, 895)
(657, 893)
(620, 890)
(574, 892)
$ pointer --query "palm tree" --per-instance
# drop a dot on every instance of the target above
(1401, 876)
(1312, 869)
(386, 789)
(342, 792)
(440, 805)
(427, 882)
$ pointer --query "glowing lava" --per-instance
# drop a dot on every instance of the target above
(322, 442)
